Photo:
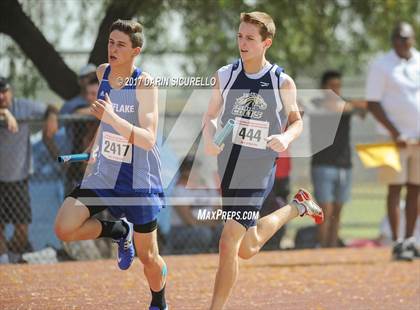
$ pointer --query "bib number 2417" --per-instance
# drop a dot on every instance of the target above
(116, 147)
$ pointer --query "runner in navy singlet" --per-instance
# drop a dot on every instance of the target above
(261, 100)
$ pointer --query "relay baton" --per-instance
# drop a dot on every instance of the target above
(221, 135)
(73, 158)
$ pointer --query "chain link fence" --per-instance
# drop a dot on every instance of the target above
(33, 202)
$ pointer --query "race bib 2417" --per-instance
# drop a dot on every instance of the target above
(116, 147)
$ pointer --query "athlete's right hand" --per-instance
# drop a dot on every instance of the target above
(213, 149)
(278, 143)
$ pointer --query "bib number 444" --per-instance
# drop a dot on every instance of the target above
(250, 133)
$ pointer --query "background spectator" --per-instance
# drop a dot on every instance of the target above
(15, 159)
(393, 92)
(331, 167)
(385, 236)
(79, 133)
(85, 75)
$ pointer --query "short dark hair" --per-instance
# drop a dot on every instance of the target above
(131, 28)
(92, 80)
(329, 75)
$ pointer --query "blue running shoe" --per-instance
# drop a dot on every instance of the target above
(157, 308)
(125, 247)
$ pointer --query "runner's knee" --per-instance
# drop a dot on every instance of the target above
(69, 218)
(228, 246)
(63, 232)
(148, 256)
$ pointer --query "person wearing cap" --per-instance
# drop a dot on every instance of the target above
(15, 158)
(77, 137)
(86, 74)
(393, 92)
(79, 104)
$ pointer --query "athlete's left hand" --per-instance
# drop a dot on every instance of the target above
(103, 110)
(278, 143)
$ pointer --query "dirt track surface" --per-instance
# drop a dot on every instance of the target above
(310, 279)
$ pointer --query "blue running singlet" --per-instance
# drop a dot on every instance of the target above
(120, 165)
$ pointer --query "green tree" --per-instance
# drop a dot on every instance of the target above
(311, 34)
(16, 21)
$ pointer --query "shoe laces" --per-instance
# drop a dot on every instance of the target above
(127, 244)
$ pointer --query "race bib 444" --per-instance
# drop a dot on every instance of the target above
(250, 133)
(116, 147)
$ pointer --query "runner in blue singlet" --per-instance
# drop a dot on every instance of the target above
(124, 171)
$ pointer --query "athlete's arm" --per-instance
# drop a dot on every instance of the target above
(147, 94)
(143, 136)
(210, 120)
(280, 142)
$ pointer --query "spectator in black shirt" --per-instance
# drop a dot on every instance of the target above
(331, 167)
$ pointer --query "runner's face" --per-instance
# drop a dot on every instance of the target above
(120, 50)
(250, 42)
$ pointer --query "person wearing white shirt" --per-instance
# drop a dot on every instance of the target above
(393, 95)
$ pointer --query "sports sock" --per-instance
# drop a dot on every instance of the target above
(113, 229)
(300, 207)
(158, 299)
